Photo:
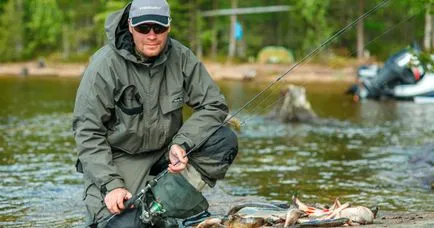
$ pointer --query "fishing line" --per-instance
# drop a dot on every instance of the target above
(344, 29)
(309, 55)
(272, 102)
(141, 193)
(371, 41)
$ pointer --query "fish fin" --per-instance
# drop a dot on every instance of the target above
(374, 211)
(338, 202)
(294, 201)
(353, 223)
(335, 205)
(337, 211)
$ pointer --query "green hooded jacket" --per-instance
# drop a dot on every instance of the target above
(127, 105)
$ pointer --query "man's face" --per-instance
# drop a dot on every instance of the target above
(150, 42)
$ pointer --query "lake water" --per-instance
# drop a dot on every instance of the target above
(379, 153)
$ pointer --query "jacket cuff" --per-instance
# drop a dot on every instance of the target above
(115, 183)
(182, 141)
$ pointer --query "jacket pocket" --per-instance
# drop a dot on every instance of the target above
(171, 109)
(92, 195)
(129, 100)
(172, 103)
(128, 133)
(94, 203)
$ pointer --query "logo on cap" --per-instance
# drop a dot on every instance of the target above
(150, 11)
(149, 7)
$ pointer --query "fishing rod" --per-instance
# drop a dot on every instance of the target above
(154, 181)
(406, 19)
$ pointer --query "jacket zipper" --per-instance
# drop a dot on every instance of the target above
(148, 108)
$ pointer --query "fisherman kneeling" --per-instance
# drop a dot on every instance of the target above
(128, 124)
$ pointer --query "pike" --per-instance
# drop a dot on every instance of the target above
(132, 201)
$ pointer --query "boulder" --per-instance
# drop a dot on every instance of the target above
(293, 106)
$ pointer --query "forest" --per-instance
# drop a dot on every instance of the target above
(63, 30)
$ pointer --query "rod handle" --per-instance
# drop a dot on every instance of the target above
(131, 201)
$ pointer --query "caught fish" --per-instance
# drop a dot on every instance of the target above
(238, 207)
(211, 223)
(250, 215)
(311, 211)
(325, 223)
(270, 216)
(357, 215)
(292, 216)
(360, 215)
(245, 222)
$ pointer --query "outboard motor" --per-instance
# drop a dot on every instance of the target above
(403, 67)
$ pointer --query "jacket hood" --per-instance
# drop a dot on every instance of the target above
(120, 38)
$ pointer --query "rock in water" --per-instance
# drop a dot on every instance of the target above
(293, 106)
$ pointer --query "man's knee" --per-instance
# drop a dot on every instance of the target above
(98, 215)
(95, 208)
(224, 141)
(128, 219)
(213, 159)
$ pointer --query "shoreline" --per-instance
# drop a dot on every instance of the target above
(220, 202)
(218, 71)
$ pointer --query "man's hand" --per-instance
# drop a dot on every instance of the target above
(177, 156)
(114, 200)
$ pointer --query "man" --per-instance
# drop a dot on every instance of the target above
(128, 122)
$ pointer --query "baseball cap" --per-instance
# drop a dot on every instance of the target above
(150, 11)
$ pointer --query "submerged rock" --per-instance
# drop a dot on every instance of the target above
(422, 162)
(293, 106)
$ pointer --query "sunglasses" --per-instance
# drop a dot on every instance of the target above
(146, 28)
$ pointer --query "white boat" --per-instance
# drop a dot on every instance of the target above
(403, 77)
(423, 90)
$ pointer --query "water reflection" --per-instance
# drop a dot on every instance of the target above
(39, 184)
(364, 159)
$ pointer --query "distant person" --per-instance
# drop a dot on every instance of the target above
(41, 63)
(24, 71)
(128, 122)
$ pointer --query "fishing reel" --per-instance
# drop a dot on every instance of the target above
(151, 213)
(151, 210)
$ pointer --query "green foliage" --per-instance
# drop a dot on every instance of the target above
(109, 7)
(314, 21)
(32, 28)
(181, 20)
(421, 57)
(11, 43)
(44, 22)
